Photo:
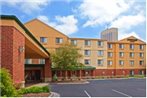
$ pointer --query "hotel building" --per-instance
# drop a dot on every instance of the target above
(25, 51)
(127, 56)
(108, 55)
(94, 52)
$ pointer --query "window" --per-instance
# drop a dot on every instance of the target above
(121, 62)
(141, 55)
(121, 46)
(141, 62)
(43, 39)
(28, 61)
(59, 40)
(42, 61)
(100, 62)
(121, 54)
(74, 42)
(110, 46)
(110, 54)
(109, 62)
(87, 42)
(87, 61)
(131, 62)
(141, 72)
(141, 47)
(100, 52)
(87, 52)
(100, 43)
(131, 72)
(131, 54)
(131, 46)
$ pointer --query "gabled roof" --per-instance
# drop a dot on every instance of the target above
(131, 38)
(12, 17)
(44, 24)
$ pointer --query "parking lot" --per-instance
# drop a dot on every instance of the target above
(103, 88)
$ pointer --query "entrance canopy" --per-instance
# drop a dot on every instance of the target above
(32, 47)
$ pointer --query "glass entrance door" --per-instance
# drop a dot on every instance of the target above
(32, 75)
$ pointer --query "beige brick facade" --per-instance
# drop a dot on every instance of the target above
(105, 58)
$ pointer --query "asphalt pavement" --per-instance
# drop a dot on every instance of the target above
(103, 88)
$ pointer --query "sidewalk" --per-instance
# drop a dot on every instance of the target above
(39, 84)
(71, 82)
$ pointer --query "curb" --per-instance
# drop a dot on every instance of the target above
(72, 83)
(54, 94)
(116, 78)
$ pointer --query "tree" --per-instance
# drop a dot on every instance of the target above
(66, 57)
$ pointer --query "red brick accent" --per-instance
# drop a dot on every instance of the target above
(11, 58)
(116, 72)
(104, 72)
(47, 70)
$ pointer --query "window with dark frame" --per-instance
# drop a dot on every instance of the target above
(87, 42)
(59, 40)
(87, 61)
(43, 39)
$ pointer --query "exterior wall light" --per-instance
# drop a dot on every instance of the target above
(112, 72)
(21, 49)
(123, 72)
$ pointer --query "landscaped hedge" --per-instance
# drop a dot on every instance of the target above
(34, 89)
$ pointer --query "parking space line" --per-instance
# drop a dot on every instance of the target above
(140, 89)
(121, 93)
(87, 93)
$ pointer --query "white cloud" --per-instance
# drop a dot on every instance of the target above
(43, 19)
(65, 24)
(126, 22)
(125, 35)
(102, 11)
(122, 14)
(46, 20)
(27, 6)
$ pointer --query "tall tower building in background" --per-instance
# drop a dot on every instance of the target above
(110, 34)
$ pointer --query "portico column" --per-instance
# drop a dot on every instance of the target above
(80, 74)
(47, 70)
(60, 73)
(65, 74)
(93, 73)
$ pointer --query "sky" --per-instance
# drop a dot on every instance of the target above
(83, 18)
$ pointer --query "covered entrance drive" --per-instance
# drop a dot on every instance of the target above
(34, 73)
(17, 44)
(37, 72)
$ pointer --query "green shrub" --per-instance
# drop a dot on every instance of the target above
(6, 84)
(138, 76)
(46, 89)
(34, 89)
(55, 78)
